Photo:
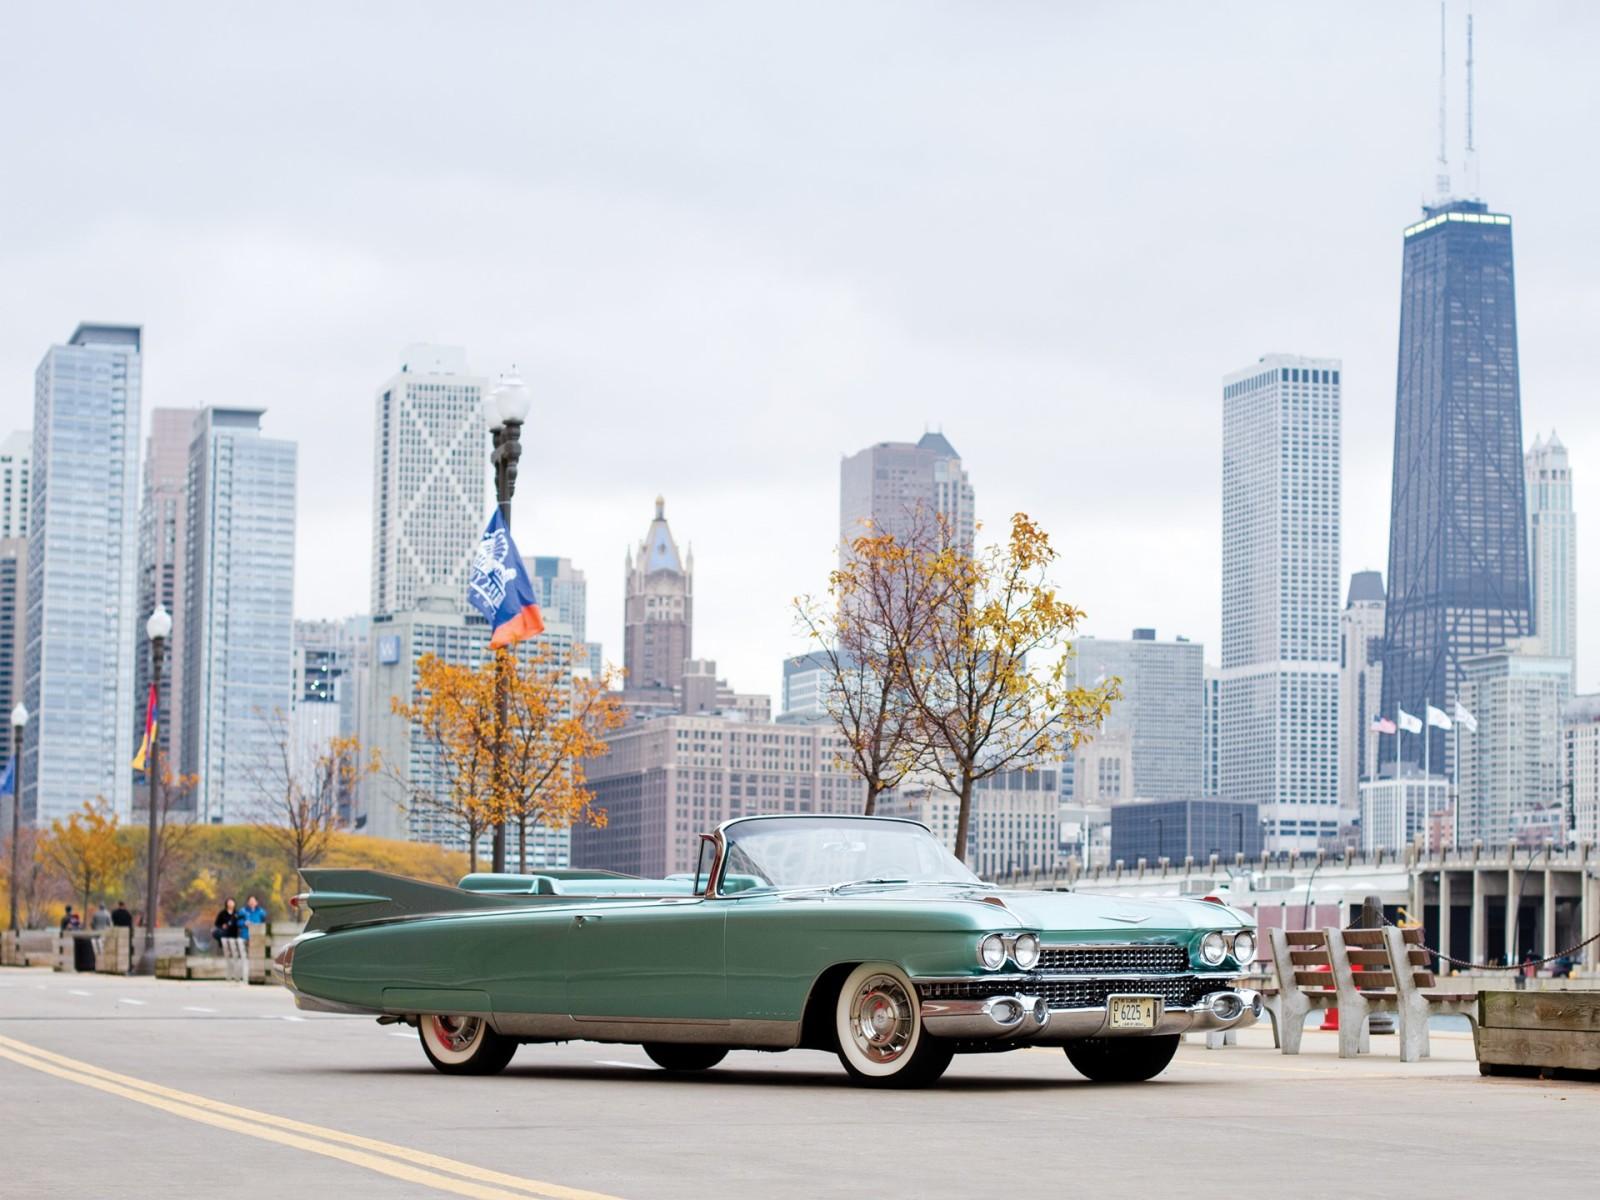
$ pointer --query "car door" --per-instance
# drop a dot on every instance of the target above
(661, 959)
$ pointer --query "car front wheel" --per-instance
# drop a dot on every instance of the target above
(1124, 1059)
(464, 1045)
(878, 1023)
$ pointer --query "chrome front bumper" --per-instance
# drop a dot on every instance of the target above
(1026, 1018)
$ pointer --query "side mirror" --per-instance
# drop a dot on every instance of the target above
(703, 866)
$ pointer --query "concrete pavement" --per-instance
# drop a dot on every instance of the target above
(142, 1088)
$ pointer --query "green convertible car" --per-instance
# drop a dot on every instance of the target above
(858, 935)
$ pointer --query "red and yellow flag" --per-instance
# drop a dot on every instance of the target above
(151, 720)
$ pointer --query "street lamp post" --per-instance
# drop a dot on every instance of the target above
(158, 627)
(507, 409)
(19, 719)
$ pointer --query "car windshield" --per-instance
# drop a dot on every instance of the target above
(821, 852)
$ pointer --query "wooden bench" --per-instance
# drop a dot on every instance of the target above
(1317, 970)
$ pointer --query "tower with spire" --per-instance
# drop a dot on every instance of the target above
(658, 612)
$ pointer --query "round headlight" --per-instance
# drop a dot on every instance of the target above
(992, 952)
(1244, 947)
(1213, 949)
(1025, 950)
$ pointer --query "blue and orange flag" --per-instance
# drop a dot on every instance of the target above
(500, 589)
(152, 718)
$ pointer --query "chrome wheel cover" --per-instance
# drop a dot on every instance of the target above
(881, 1022)
(456, 1034)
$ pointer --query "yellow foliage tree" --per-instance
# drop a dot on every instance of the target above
(86, 851)
(875, 617)
(988, 679)
(512, 736)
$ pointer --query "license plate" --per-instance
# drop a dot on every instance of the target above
(1132, 1012)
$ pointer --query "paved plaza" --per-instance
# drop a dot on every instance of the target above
(137, 1088)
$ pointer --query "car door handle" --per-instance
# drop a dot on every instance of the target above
(582, 919)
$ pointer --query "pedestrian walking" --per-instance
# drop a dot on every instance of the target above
(225, 932)
(70, 920)
(101, 919)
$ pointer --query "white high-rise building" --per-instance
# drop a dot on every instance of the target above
(1580, 764)
(1360, 687)
(891, 486)
(1552, 546)
(430, 478)
(238, 612)
(15, 453)
(83, 627)
(1280, 595)
(1509, 771)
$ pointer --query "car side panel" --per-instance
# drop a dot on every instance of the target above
(517, 958)
(776, 948)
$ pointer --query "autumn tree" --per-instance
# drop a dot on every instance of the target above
(85, 851)
(556, 718)
(875, 618)
(520, 762)
(300, 797)
(989, 680)
(37, 885)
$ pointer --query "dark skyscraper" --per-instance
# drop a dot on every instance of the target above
(1458, 542)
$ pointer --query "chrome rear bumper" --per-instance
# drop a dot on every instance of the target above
(1027, 1019)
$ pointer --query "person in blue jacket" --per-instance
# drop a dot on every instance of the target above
(251, 914)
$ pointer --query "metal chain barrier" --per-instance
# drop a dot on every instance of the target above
(1472, 966)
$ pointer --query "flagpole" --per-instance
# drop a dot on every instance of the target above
(509, 403)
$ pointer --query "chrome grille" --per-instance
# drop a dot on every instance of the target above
(1177, 991)
(1114, 960)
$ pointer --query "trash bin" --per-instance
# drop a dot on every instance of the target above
(83, 953)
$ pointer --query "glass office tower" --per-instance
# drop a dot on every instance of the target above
(1458, 541)
(83, 628)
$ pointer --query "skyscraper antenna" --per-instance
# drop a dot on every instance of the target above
(1471, 164)
(1442, 178)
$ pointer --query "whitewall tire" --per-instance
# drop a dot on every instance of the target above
(464, 1045)
(878, 1025)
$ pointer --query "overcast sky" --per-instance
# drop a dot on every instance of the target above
(728, 243)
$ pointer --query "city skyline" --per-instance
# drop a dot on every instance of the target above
(865, 342)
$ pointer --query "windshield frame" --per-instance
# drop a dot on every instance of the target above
(720, 866)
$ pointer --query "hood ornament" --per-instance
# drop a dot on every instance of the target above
(1127, 919)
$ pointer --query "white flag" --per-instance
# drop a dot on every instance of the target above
(1465, 719)
(1437, 717)
(1407, 723)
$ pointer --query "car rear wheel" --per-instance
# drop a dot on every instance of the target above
(671, 1056)
(1123, 1059)
(878, 1023)
(464, 1045)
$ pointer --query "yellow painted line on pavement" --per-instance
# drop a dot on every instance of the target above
(386, 1158)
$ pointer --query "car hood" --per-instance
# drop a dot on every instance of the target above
(1077, 912)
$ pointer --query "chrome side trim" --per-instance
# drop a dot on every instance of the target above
(318, 1004)
(1221, 978)
(560, 1027)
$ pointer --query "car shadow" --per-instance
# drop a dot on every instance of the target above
(741, 1078)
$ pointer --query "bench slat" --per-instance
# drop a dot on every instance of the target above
(1369, 958)
(1305, 937)
(1374, 981)
(1314, 979)
(1309, 958)
(1363, 937)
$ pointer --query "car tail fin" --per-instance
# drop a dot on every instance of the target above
(347, 896)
